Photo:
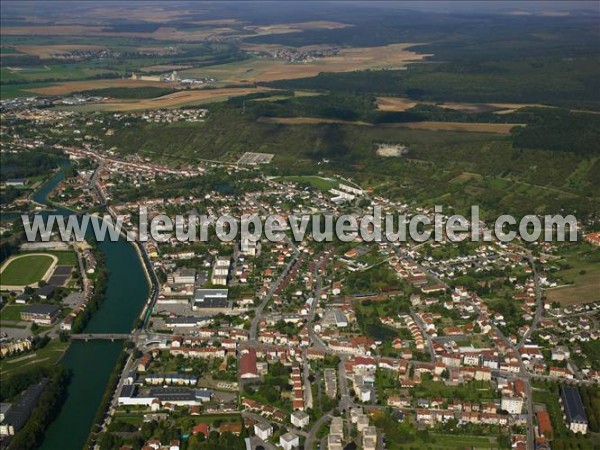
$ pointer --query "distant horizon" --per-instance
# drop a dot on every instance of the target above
(417, 5)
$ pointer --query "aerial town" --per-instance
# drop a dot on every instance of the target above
(310, 344)
(149, 150)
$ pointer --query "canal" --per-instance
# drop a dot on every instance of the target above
(91, 363)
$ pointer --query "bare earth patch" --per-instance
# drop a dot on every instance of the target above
(388, 151)
(395, 104)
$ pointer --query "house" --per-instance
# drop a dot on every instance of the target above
(299, 419)
(201, 428)
(263, 430)
(560, 353)
(289, 441)
(248, 366)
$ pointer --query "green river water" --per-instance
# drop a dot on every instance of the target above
(91, 363)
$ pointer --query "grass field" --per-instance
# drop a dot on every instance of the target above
(12, 312)
(582, 269)
(50, 73)
(47, 356)
(25, 269)
(316, 182)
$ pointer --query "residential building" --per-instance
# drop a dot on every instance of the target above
(573, 408)
(289, 441)
(299, 419)
(263, 430)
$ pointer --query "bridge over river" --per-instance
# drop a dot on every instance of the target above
(101, 336)
(139, 337)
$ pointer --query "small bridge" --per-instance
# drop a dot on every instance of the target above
(101, 336)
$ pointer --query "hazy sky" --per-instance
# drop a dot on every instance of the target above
(494, 5)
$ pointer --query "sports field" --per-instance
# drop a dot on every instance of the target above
(26, 269)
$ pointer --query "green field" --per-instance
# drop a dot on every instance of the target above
(12, 312)
(316, 182)
(25, 270)
(579, 269)
(47, 356)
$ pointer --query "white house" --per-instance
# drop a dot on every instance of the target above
(263, 430)
(299, 419)
(289, 441)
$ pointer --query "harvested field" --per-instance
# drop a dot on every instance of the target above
(282, 28)
(584, 292)
(498, 128)
(507, 108)
(395, 104)
(146, 13)
(347, 60)
(297, 94)
(177, 99)
(46, 51)
(309, 121)
(403, 104)
(164, 68)
(162, 33)
(87, 85)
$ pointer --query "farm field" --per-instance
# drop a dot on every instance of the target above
(269, 69)
(26, 269)
(54, 72)
(176, 99)
(46, 51)
(87, 85)
(399, 104)
(496, 128)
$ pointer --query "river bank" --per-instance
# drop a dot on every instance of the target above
(92, 363)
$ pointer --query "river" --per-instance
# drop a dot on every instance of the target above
(91, 363)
